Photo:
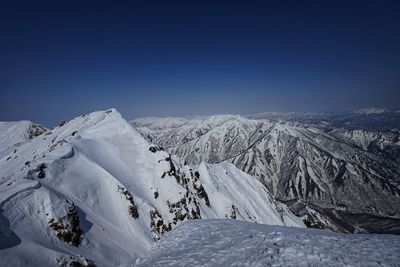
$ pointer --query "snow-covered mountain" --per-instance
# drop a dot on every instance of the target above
(233, 243)
(93, 191)
(338, 177)
(13, 134)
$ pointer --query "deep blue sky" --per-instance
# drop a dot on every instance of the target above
(60, 59)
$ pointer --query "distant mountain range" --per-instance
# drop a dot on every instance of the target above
(340, 171)
(374, 119)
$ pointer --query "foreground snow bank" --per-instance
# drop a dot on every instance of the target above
(235, 243)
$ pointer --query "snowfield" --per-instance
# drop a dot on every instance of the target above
(235, 243)
(93, 191)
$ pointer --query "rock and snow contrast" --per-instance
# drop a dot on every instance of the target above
(234, 243)
(93, 191)
(335, 177)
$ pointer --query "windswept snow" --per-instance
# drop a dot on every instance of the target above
(234, 243)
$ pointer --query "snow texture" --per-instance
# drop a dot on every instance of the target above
(234, 243)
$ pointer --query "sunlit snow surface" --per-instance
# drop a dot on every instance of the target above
(235, 243)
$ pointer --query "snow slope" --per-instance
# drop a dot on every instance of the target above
(233, 243)
(93, 190)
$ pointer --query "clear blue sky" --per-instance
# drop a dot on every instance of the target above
(59, 59)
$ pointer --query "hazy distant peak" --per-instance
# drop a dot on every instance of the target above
(371, 110)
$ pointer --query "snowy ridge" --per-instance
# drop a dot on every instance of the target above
(349, 178)
(234, 243)
(94, 191)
